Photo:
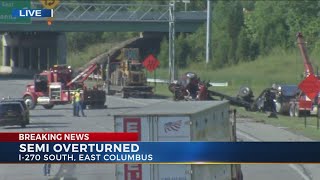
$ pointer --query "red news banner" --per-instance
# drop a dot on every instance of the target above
(68, 136)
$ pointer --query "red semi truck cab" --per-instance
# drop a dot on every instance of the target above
(55, 86)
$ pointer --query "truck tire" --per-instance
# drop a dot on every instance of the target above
(111, 92)
(23, 123)
(48, 106)
(292, 110)
(124, 94)
(146, 96)
(29, 102)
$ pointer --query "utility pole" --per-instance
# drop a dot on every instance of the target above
(172, 72)
(208, 39)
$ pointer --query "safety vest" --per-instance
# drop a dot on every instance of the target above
(72, 97)
(77, 97)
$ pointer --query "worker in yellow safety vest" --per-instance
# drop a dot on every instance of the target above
(79, 103)
(74, 105)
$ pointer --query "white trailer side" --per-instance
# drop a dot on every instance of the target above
(177, 121)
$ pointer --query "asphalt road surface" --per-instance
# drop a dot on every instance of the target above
(60, 119)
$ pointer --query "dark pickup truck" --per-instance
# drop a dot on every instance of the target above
(13, 112)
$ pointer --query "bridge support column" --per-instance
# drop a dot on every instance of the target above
(52, 56)
(38, 58)
(31, 58)
(5, 52)
(6, 56)
(34, 58)
(14, 57)
(62, 48)
(26, 57)
(43, 61)
(36, 50)
(21, 57)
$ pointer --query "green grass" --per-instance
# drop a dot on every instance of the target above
(296, 125)
(78, 59)
(280, 67)
(161, 89)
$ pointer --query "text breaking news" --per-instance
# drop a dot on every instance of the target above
(78, 147)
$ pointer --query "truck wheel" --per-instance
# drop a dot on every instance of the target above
(29, 102)
(28, 120)
(24, 123)
(111, 92)
(292, 110)
(146, 96)
(48, 106)
(124, 94)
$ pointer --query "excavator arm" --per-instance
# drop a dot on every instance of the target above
(307, 64)
(83, 75)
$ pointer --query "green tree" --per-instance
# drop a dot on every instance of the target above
(182, 51)
(164, 52)
(268, 25)
(303, 16)
(227, 25)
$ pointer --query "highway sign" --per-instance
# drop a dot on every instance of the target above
(310, 86)
(151, 63)
(6, 8)
(130, 53)
(49, 4)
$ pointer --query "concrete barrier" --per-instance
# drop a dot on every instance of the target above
(7, 70)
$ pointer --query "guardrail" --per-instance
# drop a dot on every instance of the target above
(162, 81)
(215, 84)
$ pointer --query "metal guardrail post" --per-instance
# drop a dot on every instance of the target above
(318, 114)
(305, 118)
(318, 122)
(235, 123)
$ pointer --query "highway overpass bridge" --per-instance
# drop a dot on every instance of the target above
(38, 45)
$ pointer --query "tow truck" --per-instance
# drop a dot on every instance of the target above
(56, 85)
(302, 104)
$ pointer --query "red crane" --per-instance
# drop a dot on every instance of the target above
(83, 75)
(303, 104)
(307, 64)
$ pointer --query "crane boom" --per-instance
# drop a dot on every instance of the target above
(307, 64)
(84, 74)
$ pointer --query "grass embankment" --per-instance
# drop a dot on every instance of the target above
(280, 67)
(295, 125)
(77, 59)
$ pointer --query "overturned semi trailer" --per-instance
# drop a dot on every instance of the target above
(190, 88)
